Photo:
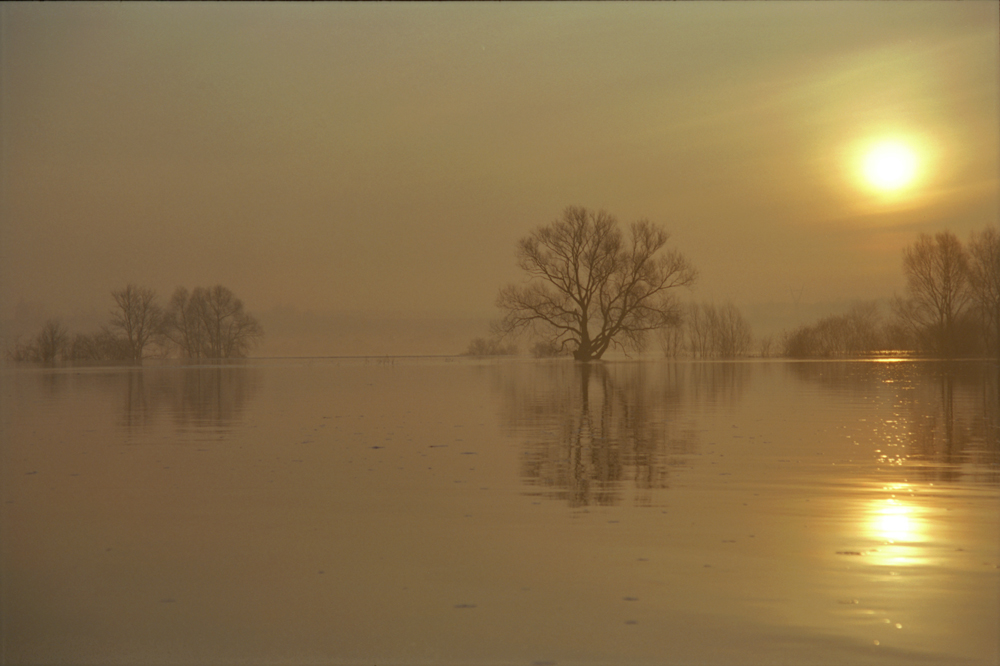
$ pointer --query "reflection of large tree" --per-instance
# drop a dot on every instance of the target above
(591, 431)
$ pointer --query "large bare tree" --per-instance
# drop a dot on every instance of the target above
(137, 318)
(590, 287)
(984, 275)
(937, 285)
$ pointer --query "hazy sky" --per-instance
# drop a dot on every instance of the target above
(387, 157)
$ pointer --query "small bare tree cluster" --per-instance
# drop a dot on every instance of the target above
(210, 323)
(717, 332)
(952, 302)
(589, 286)
(490, 347)
(862, 330)
(673, 338)
(101, 346)
(547, 349)
(50, 345)
(205, 323)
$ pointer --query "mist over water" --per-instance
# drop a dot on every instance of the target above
(462, 511)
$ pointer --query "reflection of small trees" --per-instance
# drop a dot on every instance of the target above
(201, 397)
(715, 383)
(591, 431)
(213, 396)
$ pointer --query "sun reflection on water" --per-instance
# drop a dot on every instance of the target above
(901, 529)
(895, 523)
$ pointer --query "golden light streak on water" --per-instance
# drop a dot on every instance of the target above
(902, 528)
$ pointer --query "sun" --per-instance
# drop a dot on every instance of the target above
(890, 165)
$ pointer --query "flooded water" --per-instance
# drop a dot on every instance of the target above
(514, 512)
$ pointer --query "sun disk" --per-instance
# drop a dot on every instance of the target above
(890, 166)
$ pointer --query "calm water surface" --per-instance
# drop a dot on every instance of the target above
(515, 512)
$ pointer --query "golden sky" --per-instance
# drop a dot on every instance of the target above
(387, 157)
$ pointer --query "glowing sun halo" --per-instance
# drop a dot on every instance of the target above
(889, 166)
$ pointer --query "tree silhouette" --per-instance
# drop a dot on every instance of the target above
(589, 287)
(137, 317)
(210, 323)
(183, 323)
(984, 275)
(937, 285)
(52, 342)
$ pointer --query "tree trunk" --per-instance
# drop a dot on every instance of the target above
(588, 352)
(585, 352)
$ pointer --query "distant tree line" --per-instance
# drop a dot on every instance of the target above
(207, 322)
(861, 331)
(490, 347)
(950, 306)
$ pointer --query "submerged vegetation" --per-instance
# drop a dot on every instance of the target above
(204, 323)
